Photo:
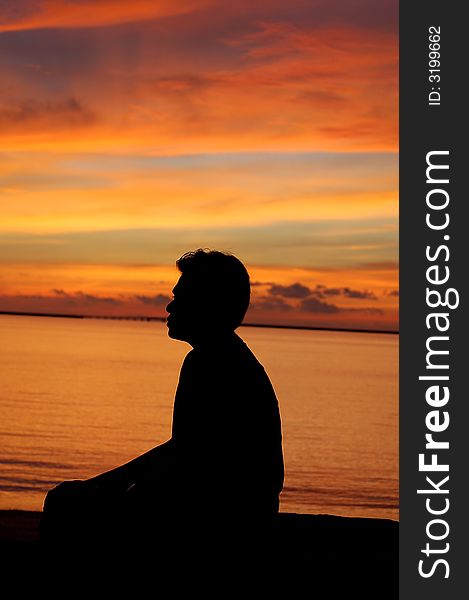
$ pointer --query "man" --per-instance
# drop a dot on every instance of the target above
(222, 471)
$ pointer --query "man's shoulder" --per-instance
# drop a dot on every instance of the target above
(191, 359)
(232, 354)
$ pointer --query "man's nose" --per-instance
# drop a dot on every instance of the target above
(169, 307)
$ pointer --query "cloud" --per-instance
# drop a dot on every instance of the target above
(360, 295)
(239, 80)
(394, 293)
(25, 114)
(299, 297)
(317, 66)
(370, 310)
(295, 290)
(322, 291)
(314, 305)
(261, 283)
(128, 227)
(59, 301)
(157, 300)
(270, 304)
(80, 298)
(20, 15)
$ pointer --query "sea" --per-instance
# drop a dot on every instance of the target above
(82, 396)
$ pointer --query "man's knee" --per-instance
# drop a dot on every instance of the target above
(63, 495)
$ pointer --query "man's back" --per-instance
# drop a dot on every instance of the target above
(227, 431)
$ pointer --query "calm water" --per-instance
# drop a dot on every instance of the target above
(81, 396)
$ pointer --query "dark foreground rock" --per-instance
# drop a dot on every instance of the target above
(340, 555)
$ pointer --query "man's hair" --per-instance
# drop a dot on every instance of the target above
(224, 275)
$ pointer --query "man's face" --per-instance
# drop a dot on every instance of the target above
(185, 311)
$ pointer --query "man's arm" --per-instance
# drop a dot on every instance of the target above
(143, 467)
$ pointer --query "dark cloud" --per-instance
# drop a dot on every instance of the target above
(322, 291)
(96, 299)
(367, 14)
(394, 293)
(81, 297)
(158, 300)
(313, 300)
(315, 305)
(51, 14)
(65, 113)
(61, 302)
(365, 295)
(298, 290)
(26, 297)
(295, 290)
(261, 283)
(266, 303)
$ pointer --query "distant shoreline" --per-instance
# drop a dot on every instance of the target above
(163, 319)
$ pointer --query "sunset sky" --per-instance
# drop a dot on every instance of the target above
(135, 130)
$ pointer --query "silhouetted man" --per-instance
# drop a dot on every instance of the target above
(222, 471)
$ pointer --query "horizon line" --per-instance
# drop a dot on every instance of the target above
(163, 319)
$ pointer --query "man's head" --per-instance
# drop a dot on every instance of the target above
(211, 296)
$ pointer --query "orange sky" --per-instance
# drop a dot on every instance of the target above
(134, 131)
